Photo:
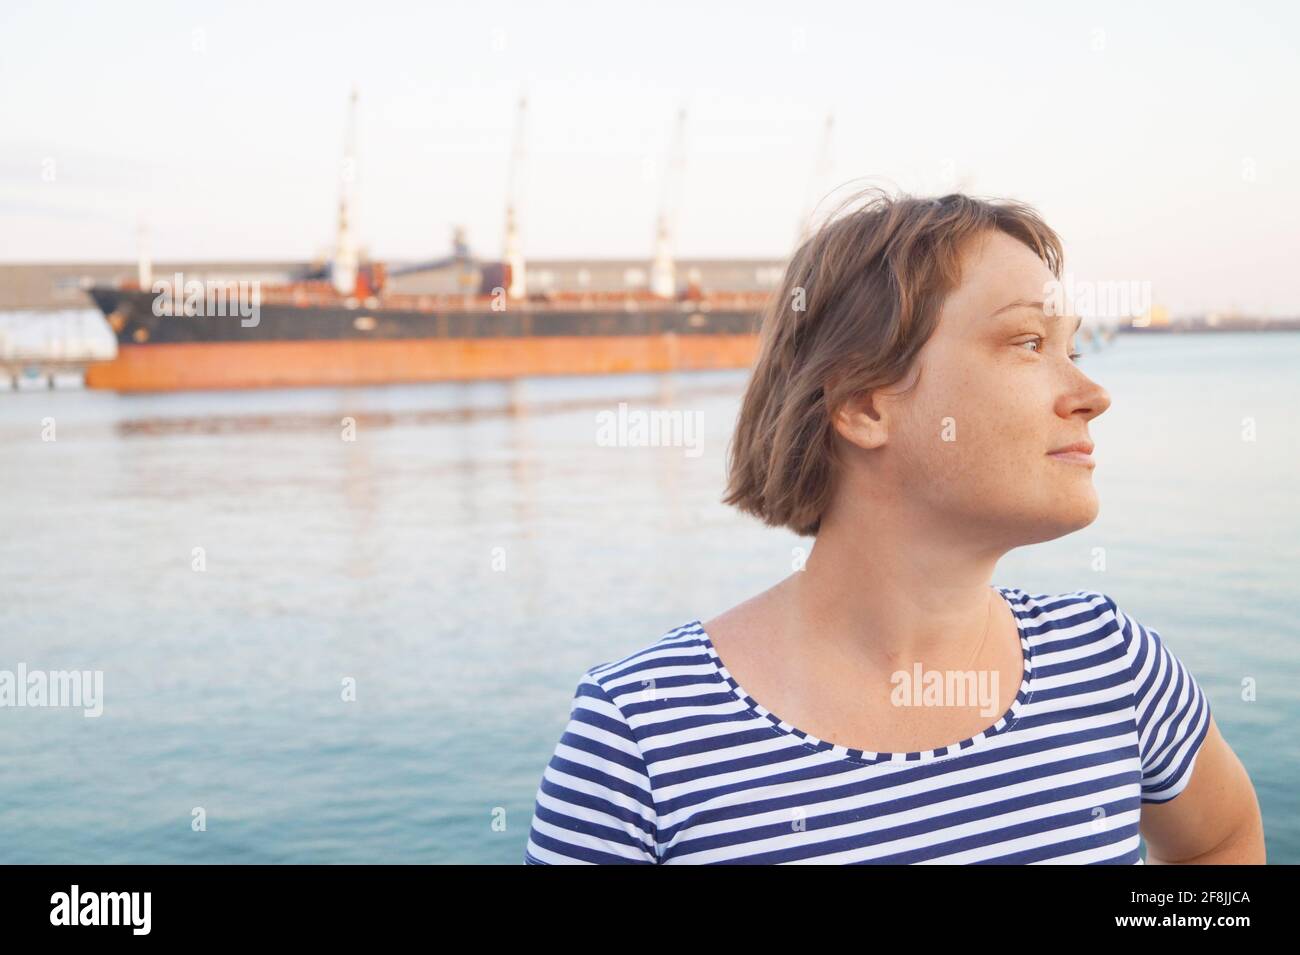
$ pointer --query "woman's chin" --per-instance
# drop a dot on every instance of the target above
(1057, 518)
(1076, 512)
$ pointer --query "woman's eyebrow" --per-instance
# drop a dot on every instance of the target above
(1037, 306)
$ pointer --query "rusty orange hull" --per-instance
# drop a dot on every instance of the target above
(288, 364)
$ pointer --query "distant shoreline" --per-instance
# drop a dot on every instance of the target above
(1200, 326)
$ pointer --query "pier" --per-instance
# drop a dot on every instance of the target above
(48, 348)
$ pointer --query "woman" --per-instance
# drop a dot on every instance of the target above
(916, 406)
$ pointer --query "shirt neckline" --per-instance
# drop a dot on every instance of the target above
(1003, 724)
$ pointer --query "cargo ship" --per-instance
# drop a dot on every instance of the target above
(344, 323)
(307, 337)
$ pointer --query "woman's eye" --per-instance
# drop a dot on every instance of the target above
(1037, 341)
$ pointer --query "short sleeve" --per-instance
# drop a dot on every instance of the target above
(1173, 713)
(594, 805)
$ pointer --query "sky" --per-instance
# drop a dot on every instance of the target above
(1160, 140)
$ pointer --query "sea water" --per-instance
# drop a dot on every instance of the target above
(345, 625)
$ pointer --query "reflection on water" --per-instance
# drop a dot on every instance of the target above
(213, 424)
(471, 551)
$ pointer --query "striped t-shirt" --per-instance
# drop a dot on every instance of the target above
(666, 759)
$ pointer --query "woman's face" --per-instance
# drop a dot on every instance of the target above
(998, 393)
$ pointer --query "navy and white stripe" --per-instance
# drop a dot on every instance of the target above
(666, 759)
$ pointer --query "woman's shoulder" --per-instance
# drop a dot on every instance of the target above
(1060, 608)
(676, 654)
(1084, 621)
(1068, 622)
(1086, 638)
(1071, 606)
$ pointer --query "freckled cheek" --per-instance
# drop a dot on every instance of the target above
(981, 428)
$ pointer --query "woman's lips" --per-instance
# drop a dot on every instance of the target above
(1074, 457)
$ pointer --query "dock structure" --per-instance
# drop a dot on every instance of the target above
(13, 372)
(44, 347)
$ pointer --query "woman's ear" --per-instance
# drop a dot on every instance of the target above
(859, 421)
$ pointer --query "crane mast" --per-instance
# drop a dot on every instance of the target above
(663, 275)
(346, 262)
(513, 252)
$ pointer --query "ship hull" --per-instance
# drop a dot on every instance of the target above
(285, 364)
(302, 347)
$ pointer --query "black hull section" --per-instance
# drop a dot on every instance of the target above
(131, 315)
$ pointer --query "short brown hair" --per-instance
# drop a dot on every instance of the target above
(871, 284)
